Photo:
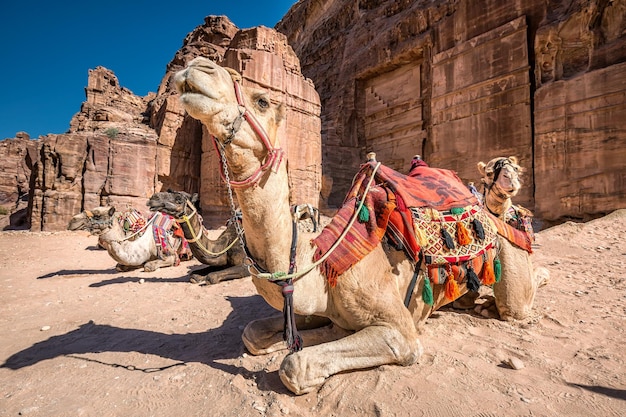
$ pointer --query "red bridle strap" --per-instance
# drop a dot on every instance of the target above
(274, 155)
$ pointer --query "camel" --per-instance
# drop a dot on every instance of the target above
(129, 251)
(361, 321)
(225, 255)
(501, 182)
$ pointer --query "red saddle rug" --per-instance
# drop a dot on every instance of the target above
(388, 212)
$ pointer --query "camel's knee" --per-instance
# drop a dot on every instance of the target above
(263, 336)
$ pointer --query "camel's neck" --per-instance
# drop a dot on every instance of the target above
(203, 248)
(113, 233)
(267, 220)
(495, 201)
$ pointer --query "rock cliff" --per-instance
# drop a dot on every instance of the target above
(122, 148)
(461, 82)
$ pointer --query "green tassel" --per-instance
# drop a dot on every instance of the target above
(497, 269)
(457, 210)
(364, 214)
(427, 292)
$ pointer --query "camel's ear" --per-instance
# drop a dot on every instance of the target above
(280, 113)
(111, 211)
(234, 74)
(481, 168)
(194, 198)
(513, 159)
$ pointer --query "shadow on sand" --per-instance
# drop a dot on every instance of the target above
(204, 347)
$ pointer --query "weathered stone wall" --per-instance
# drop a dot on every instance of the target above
(461, 82)
(74, 172)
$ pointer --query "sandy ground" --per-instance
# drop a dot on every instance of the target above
(78, 338)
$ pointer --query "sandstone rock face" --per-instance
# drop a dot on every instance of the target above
(122, 148)
(461, 82)
(187, 159)
(15, 168)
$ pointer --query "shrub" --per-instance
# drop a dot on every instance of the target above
(112, 132)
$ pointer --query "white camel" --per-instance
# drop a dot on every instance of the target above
(129, 251)
(371, 325)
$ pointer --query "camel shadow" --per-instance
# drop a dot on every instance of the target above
(125, 279)
(203, 347)
(65, 272)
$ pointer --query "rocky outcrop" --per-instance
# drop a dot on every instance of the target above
(187, 159)
(15, 169)
(122, 148)
(460, 82)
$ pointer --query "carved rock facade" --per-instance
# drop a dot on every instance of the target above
(461, 82)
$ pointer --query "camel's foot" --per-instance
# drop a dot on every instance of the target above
(488, 308)
(150, 267)
(304, 371)
(467, 301)
(125, 268)
(197, 279)
(291, 374)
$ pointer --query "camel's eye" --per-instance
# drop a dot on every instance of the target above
(263, 103)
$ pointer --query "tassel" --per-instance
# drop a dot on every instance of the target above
(290, 332)
(420, 237)
(462, 236)
(364, 214)
(478, 228)
(452, 288)
(497, 269)
(447, 239)
(487, 275)
(472, 279)
(427, 292)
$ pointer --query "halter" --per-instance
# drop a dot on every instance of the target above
(274, 155)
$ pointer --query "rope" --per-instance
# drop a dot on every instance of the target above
(196, 238)
(278, 276)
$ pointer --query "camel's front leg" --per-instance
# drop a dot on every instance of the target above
(303, 371)
(265, 335)
(233, 272)
(152, 266)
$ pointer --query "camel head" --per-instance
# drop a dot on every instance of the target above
(175, 203)
(96, 221)
(502, 172)
(214, 95)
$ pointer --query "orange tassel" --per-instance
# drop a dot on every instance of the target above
(452, 288)
(488, 277)
(462, 235)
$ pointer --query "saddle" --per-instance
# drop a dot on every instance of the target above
(431, 215)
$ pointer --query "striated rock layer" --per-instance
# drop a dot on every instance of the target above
(122, 148)
(461, 81)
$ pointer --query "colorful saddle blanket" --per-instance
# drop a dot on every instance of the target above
(426, 213)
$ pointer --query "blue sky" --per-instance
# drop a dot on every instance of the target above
(47, 48)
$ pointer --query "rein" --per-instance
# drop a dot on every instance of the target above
(196, 237)
(278, 276)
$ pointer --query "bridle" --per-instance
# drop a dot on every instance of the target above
(274, 155)
(196, 236)
(494, 188)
